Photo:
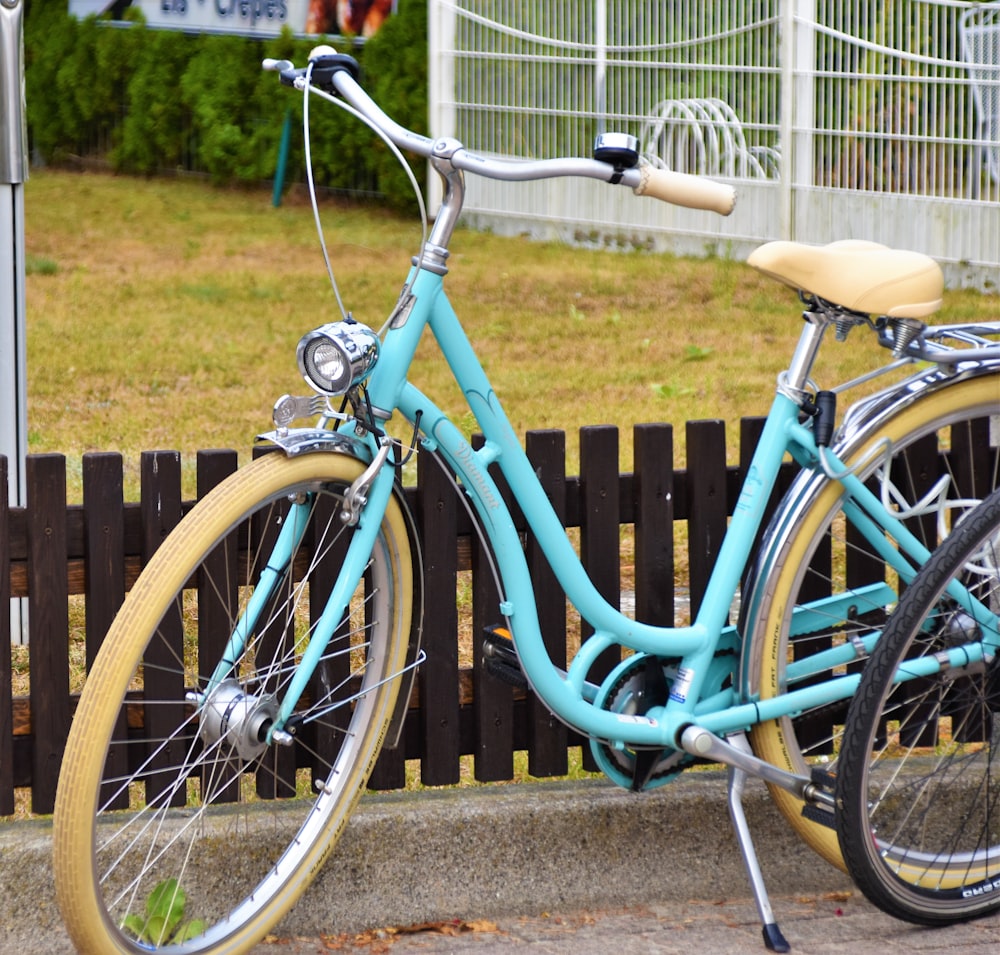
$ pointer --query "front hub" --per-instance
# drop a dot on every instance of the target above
(237, 720)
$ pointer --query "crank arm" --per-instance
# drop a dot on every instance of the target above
(706, 745)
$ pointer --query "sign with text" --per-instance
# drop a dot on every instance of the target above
(361, 18)
(246, 17)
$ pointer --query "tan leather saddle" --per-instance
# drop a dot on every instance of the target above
(862, 276)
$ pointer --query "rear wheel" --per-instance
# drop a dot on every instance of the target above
(918, 791)
(180, 823)
(945, 451)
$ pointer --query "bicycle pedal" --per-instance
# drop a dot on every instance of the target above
(500, 657)
(818, 814)
(823, 778)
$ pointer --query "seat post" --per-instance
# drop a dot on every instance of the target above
(795, 379)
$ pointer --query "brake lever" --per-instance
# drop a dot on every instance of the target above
(288, 74)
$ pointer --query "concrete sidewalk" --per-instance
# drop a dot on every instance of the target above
(509, 855)
(836, 923)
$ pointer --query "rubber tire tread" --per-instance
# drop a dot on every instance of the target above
(866, 708)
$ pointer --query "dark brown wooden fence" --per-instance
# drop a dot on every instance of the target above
(50, 551)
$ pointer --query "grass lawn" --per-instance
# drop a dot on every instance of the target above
(164, 314)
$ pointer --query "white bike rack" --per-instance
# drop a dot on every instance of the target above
(979, 29)
(704, 137)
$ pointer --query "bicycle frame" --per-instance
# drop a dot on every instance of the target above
(570, 695)
(697, 696)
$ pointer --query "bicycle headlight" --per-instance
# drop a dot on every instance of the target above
(335, 357)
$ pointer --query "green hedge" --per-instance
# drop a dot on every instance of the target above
(149, 101)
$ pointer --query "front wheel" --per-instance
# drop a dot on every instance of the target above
(918, 790)
(180, 823)
(827, 585)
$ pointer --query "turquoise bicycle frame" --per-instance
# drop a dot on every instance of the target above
(570, 695)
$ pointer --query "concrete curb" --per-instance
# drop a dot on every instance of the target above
(485, 852)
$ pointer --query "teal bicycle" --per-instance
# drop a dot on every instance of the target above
(266, 653)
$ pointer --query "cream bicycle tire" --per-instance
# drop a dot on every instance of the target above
(776, 741)
(95, 923)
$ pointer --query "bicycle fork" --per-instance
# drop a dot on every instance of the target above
(253, 723)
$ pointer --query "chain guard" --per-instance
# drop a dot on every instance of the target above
(625, 692)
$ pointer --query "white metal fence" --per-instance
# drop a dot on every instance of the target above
(875, 119)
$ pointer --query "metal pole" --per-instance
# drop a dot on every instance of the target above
(13, 353)
(786, 130)
(798, 81)
(601, 64)
(442, 95)
(279, 173)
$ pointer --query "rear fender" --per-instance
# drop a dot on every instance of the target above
(861, 421)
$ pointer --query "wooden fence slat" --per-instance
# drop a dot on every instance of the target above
(276, 772)
(599, 535)
(48, 623)
(438, 678)
(599, 523)
(104, 555)
(547, 735)
(390, 768)
(653, 493)
(492, 717)
(275, 777)
(6, 664)
(104, 533)
(217, 589)
(492, 699)
(217, 601)
(335, 670)
(160, 506)
(708, 505)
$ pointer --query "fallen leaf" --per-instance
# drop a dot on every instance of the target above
(448, 927)
(842, 896)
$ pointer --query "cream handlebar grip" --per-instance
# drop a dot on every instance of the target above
(682, 189)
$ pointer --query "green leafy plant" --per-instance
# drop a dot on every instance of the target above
(155, 113)
(164, 918)
(671, 391)
(149, 101)
(395, 72)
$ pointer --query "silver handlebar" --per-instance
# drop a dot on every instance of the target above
(353, 93)
(676, 188)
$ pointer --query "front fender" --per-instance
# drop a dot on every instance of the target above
(296, 441)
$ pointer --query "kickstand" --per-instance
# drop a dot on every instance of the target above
(773, 938)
